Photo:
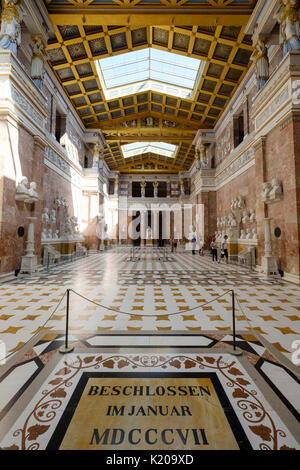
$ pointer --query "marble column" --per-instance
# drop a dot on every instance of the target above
(155, 219)
(143, 225)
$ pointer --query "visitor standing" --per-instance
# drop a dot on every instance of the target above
(201, 247)
(175, 245)
(224, 250)
(213, 247)
(194, 242)
(172, 244)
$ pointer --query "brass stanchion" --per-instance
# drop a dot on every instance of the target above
(66, 348)
(235, 350)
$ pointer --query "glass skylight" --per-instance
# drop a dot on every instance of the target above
(149, 69)
(138, 148)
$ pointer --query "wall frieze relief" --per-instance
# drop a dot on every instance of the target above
(26, 109)
(55, 158)
(280, 94)
(235, 163)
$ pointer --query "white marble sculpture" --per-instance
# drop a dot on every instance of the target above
(56, 235)
(275, 193)
(252, 216)
(240, 202)
(246, 218)
(22, 191)
(44, 234)
(272, 192)
(232, 220)
(243, 234)
(248, 234)
(32, 195)
(53, 216)
(254, 234)
(234, 204)
(265, 192)
(45, 216)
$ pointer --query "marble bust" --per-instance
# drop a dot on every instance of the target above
(276, 190)
(22, 191)
(266, 190)
(246, 218)
(243, 235)
(33, 195)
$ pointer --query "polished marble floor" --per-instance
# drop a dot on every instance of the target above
(152, 301)
(183, 293)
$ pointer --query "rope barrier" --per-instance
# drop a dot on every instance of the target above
(143, 315)
(40, 329)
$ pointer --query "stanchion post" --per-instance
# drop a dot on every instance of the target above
(236, 351)
(66, 348)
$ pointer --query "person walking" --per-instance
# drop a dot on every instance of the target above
(224, 250)
(213, 247)
(194, 243)
(172, 244)
(201, 247)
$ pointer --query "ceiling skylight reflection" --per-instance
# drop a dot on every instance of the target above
(149, 69)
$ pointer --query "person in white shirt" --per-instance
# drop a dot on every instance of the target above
(224, 250)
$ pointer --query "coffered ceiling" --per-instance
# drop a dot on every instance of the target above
(83, 36)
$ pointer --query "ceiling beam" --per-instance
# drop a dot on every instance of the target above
(137, 16)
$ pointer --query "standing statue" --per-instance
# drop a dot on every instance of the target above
(203, 156)
(10, 32)
(182, 188)
(155, 187)
(288, 17)
(260, 58)
(143, 188)
(38, 59)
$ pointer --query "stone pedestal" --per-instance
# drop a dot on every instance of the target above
(269, 268)
(29, 261)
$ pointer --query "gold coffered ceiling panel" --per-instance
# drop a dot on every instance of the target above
(149, 115)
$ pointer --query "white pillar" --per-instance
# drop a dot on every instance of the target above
(155, 219)
(29, 261)
(144, 214)
(269, 262)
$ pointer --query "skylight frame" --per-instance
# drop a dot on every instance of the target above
(159, 148)
(151, 75)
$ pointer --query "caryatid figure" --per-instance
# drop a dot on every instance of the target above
(260, 58)
(10, 32)
(288, 17)
(38, 61)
